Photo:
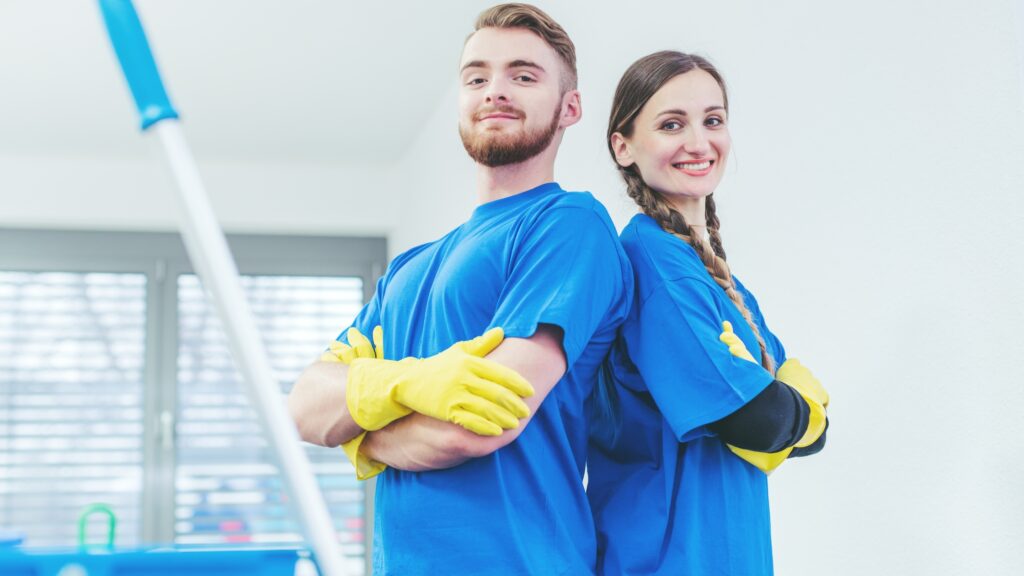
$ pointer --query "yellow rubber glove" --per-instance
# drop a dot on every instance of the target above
(457, 385)
(736, 347)
(365, 466)
(358, 347)
(764, 461)
(796, 375)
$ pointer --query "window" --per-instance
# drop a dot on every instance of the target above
(71, 358)
(117, 386)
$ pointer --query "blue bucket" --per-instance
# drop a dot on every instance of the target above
(156, 562)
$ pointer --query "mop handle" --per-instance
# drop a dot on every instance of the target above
(140, 70)
(208, 250)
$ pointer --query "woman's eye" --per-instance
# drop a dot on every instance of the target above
(671, 125)
(714, 121)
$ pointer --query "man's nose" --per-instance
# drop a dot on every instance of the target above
(497, 91)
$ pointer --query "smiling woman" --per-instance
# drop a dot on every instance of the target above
(687, 429)
(680, 141)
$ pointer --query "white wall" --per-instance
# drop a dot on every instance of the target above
(436, 180)
(873, 205)
(136, 193)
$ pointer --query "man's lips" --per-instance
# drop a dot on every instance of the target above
(499, 113)
(499, 116)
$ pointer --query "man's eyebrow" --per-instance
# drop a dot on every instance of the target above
(525, 64)
(513, 64)
(679, 112)
(473, 64)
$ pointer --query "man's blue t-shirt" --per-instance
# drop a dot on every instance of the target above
(544, 256)
(668, 496)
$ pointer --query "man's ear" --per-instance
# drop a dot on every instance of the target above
(572, 109)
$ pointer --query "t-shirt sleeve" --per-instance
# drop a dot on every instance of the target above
(690, 373)
(569, 271)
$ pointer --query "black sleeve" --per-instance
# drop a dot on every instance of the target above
(773, 420)
(813, 448)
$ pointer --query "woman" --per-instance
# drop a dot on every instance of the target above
(690, 426)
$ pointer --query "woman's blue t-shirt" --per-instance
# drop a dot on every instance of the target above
(668, 496)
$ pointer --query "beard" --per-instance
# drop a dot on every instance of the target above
(493, 150)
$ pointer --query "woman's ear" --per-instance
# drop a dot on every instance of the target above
(620, 147)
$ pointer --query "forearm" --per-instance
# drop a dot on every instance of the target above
(417, 443)
(318, 407)
(773, 420)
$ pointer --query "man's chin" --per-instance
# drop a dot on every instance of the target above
(494, 148)
(491, 134)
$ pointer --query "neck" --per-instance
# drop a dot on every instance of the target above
(692, 210)
(504, 181)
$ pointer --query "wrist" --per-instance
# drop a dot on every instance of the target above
(815, 424)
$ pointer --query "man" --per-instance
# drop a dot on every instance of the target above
(485, 484)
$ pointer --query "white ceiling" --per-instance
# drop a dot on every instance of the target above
(254, 79)
(354, 82)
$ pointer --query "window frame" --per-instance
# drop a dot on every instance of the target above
(161, 257)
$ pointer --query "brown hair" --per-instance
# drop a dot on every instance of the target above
(640, 82)
(535, 20)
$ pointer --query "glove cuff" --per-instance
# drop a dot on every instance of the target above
(815, 423)
(764, 461)
(368, 393)
(798, 377)
(365, 466)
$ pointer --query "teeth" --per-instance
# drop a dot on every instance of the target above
(694, 166)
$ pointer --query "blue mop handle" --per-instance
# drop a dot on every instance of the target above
(137, 62)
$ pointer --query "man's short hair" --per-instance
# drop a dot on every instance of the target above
(515, 15)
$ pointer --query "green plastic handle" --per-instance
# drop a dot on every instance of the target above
(83, 521)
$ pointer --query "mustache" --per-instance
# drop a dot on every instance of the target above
(500, 109)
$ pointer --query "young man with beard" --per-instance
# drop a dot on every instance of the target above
(473, 481)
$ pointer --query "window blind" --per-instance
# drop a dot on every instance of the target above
(72, 349)
(228, 486)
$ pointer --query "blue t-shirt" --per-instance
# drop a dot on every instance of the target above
(544, 256)
(668, 496)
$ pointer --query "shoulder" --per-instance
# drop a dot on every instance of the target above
(574, 215)
(748, 296)
(403, 258)
(577, 204)
(658, 256)
(584, 200)
(750, 301)
(741, 288)
(409, 254)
